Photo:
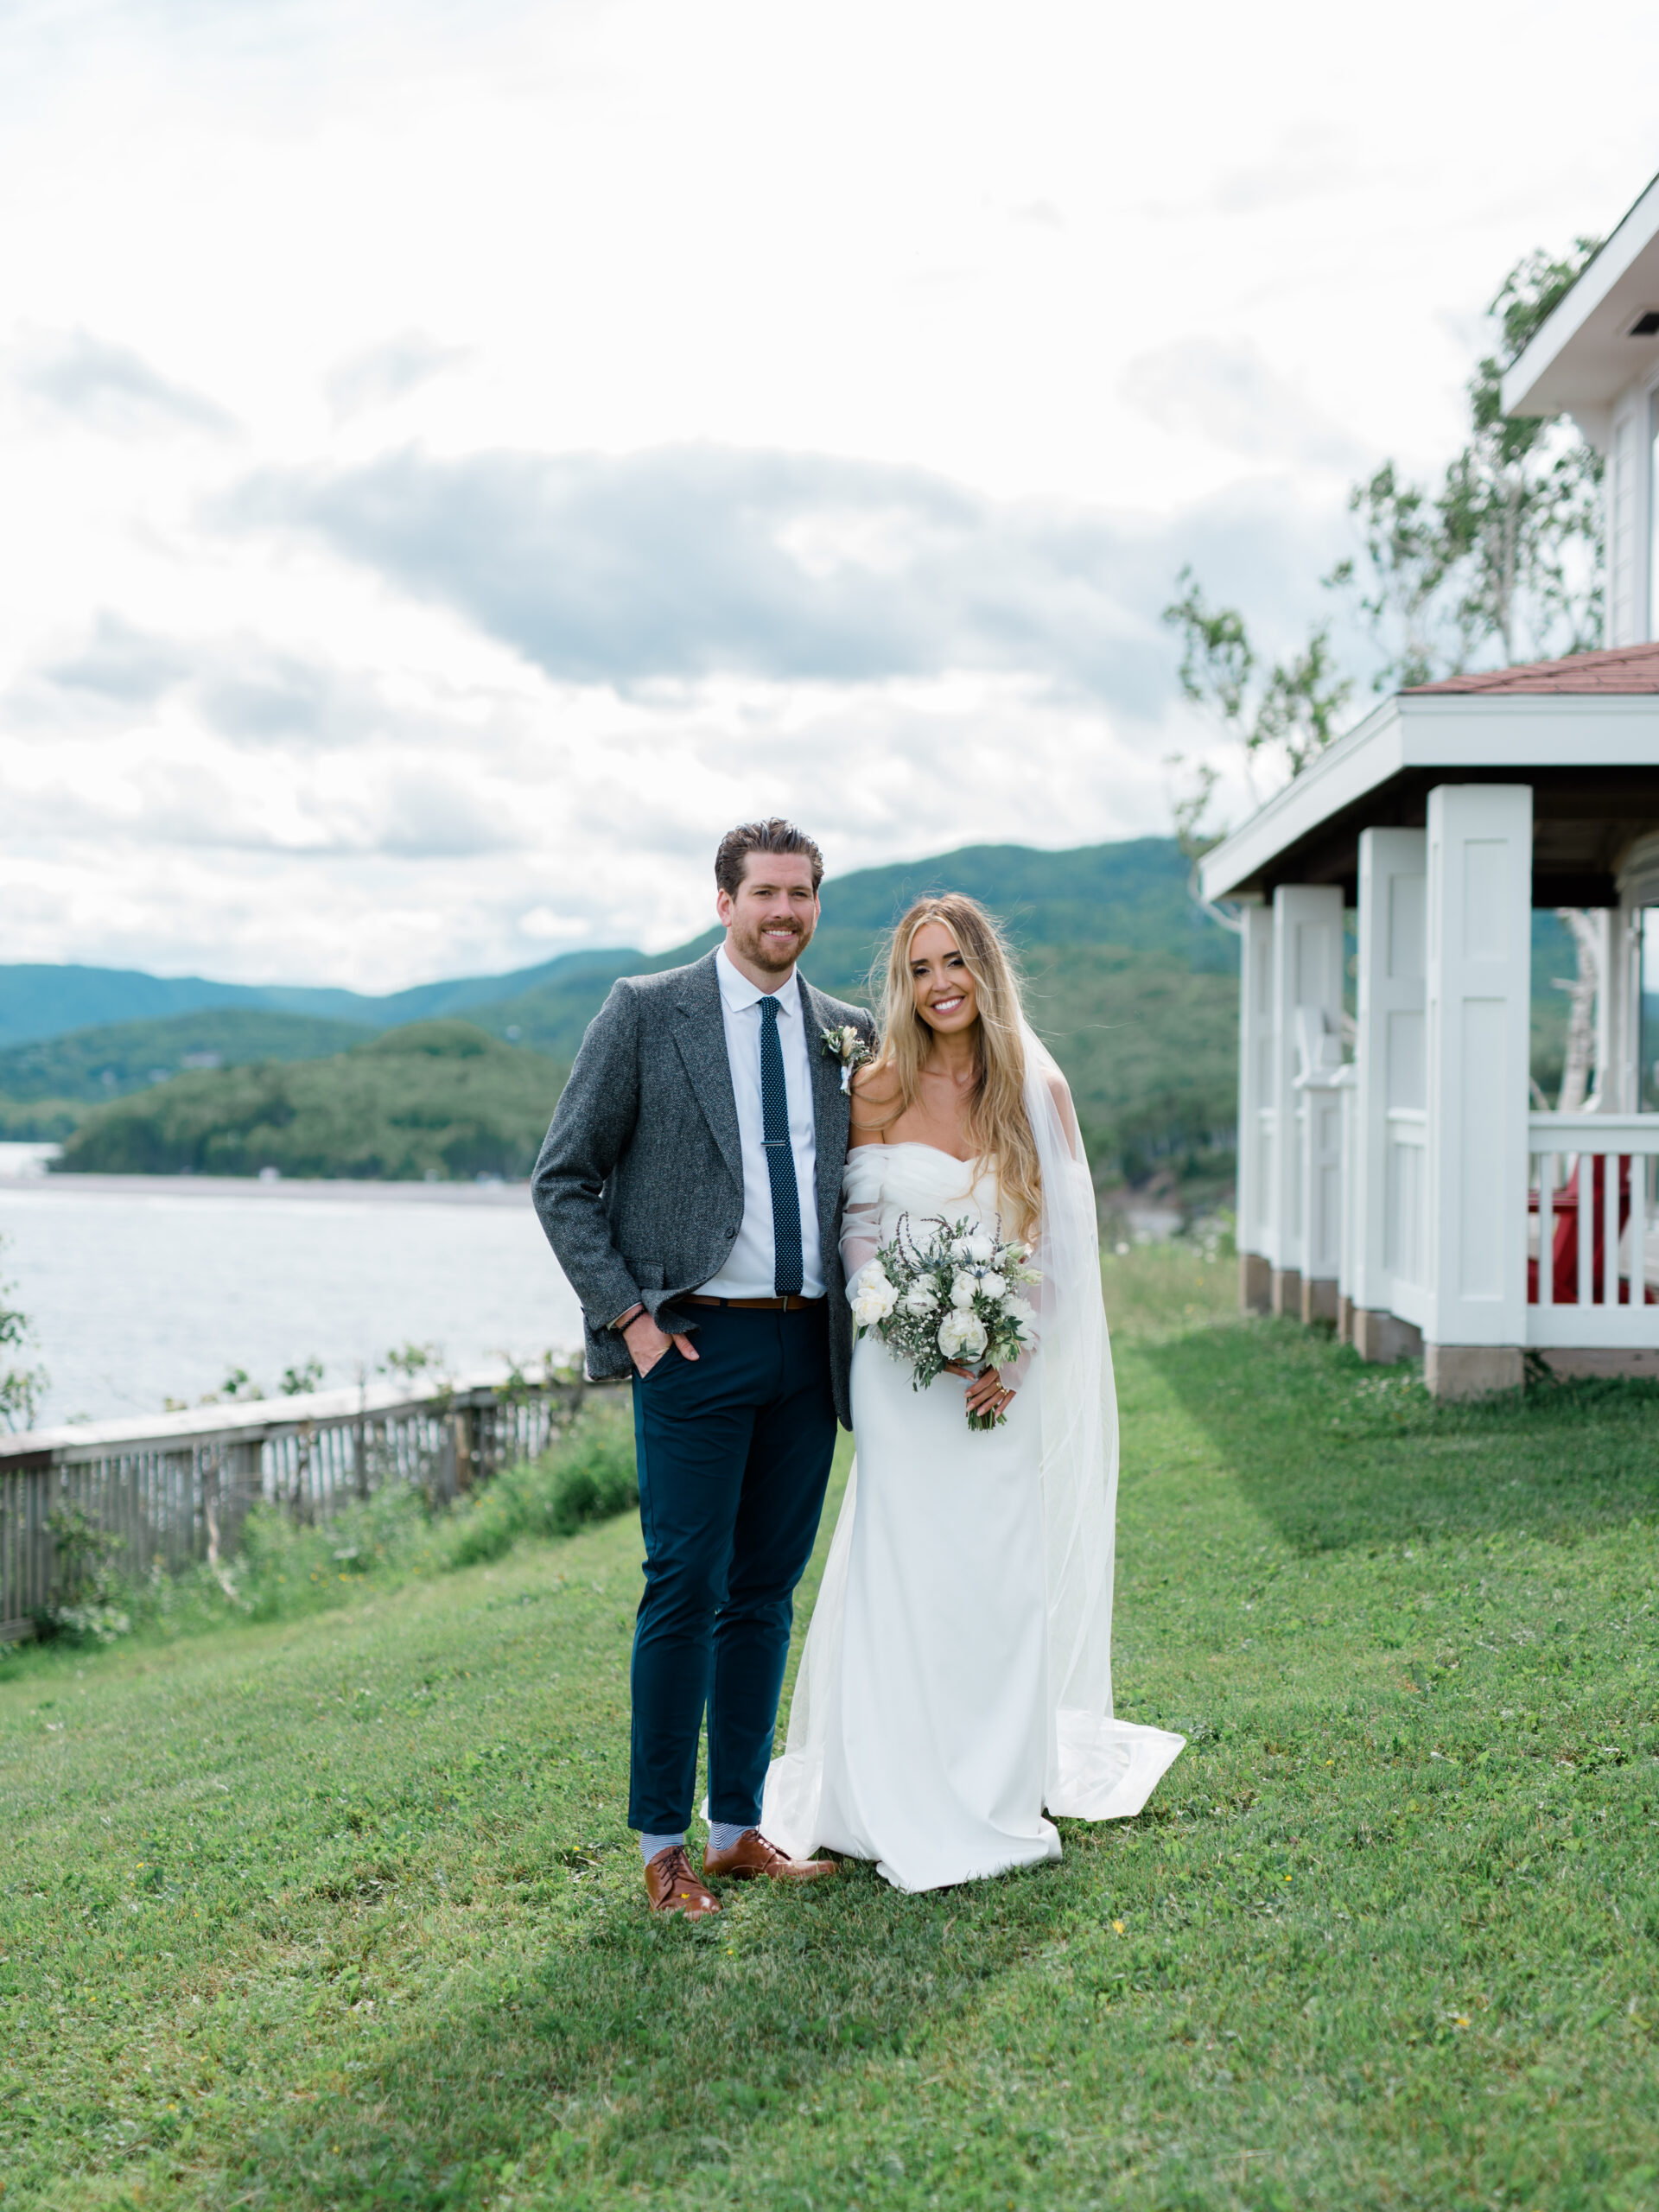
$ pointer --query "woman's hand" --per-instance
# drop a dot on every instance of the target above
(987, 1392)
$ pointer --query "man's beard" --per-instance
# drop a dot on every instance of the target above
(751, 943)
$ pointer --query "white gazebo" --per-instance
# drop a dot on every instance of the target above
(1408, 1195)
(1413, 1195)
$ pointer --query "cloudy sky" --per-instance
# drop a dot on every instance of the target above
(459, 459)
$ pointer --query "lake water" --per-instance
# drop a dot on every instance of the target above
(143, 1288)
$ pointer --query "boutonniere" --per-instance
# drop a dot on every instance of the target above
(846, 1046)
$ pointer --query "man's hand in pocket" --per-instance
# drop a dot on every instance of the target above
(647, 1343)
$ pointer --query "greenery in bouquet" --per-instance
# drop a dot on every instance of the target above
(943, 1294)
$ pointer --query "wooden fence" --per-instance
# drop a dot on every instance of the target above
(176, 1487)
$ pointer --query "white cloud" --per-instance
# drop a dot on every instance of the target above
(112, 388)
(457, 463)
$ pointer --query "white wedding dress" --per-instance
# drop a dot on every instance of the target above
(956, 1678)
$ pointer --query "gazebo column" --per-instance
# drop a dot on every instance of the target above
(1390, 1076)
(1306, 1006)
(1478, 1015)
(1255, 1061)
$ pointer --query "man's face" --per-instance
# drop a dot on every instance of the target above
(771, 920)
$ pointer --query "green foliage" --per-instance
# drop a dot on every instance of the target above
(1504, 556)
(1288, 718)
(91, 1066)
(20, 1387)
(348, 1915)
(591, 1477)
(439, 1098)
(84, 1607)
(285, 1570)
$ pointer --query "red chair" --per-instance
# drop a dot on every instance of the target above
(1564, 1257)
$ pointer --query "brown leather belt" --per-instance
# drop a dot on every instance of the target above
(793, 1304)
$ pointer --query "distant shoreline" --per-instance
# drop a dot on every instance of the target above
(337, 1189)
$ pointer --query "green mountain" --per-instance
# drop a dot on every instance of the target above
(1130, 984)
(38, 1001)
(435, 1099)
(93, 1065)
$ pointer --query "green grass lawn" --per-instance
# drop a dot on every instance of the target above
(342, 1910)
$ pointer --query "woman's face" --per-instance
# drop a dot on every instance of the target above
(944, 989)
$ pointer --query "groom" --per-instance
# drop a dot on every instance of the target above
(690, 1186)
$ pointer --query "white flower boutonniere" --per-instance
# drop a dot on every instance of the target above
(847, 1047)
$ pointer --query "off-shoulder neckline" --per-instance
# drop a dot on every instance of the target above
(911, 1144)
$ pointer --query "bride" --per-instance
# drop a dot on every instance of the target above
(956, 1678)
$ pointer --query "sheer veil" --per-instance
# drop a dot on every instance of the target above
(1099, 1768)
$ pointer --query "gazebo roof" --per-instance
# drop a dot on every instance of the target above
(1583, 732)
(1627, 669)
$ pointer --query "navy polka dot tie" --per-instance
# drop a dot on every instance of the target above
(780, 1157)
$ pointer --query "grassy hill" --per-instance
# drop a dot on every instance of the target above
(437, 1098)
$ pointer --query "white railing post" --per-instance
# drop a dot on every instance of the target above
(1307, 981)
(1602, 1323)
(1256, 1109)
(1386, 1192)
(1479, 978)
(1347, 1232)
(1319, 1092)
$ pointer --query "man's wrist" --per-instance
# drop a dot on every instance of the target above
(622, 1320)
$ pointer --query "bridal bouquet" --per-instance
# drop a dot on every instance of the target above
(947, 1292)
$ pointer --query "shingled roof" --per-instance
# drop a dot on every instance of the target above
(1623, 669)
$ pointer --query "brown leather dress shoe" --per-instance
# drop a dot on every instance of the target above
(751, 1854)
(670, 1886)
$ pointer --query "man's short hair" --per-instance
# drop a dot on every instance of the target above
(775, 835)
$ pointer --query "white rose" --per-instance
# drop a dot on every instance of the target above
(961, 1249)
(963, 1290)
(874, 1300)
(982, 1250)
(1024, 1318)
(921, 1298)
(994, 1285)
(962, 1337)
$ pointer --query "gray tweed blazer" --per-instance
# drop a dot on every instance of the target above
(639, 1183)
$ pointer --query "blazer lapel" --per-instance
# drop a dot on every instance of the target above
(831, 1112)
(700, 1034)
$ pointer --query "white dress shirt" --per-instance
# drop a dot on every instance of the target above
(751, 1266)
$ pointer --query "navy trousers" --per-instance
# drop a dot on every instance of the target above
(735, 1450)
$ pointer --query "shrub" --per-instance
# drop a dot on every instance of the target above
(589, 1476)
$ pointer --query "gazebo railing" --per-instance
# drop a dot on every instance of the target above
(177, 1487)
(1591, 1214)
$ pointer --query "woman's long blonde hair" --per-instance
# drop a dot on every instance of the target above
(996, 1112)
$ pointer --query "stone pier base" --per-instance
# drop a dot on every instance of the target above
(1319, 1298)
(1613, 1359)
(1255, 1283)
(1345, 1319)
(1472, 1370)
(1385, 1337)
(1287, 1292)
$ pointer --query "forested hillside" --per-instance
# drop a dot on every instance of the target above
(1130, 983)
(437, 1098)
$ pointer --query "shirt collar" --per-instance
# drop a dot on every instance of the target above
(738, 992)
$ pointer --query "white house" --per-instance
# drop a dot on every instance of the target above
(1413, 1195)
